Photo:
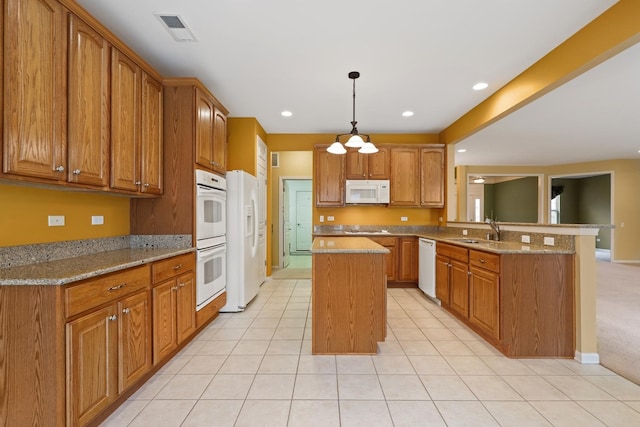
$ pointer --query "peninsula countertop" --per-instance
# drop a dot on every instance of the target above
(344, 244)
(69, 270)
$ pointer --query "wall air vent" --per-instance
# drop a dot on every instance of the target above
(275, 159)
(176, 26)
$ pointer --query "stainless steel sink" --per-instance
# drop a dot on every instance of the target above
(465, 240)
(366, 232)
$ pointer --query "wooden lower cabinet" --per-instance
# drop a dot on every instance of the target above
(108, 350)
(408, 259)
(391, 258)
(174, 310)
(521, 303)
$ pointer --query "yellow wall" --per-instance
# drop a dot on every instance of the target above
(242, 149)
(24, 211)
(625, 200)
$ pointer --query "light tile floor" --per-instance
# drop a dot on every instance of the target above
(255, 368)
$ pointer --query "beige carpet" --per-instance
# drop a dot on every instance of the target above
(618, 318)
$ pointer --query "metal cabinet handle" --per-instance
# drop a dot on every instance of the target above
(177, 267)
(115, 288)
(174, 288)
(146, 184)
(182, 285)
(126, 311)
(138, 183)
(469, 273)
(59, 169)
(112, 317)
(76, 171)
(482, 260)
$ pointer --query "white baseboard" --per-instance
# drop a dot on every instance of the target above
(588, 358)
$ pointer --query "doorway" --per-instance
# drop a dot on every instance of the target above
(296, 223)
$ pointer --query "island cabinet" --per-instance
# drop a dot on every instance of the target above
(348, 296)
(522, 303)
(391, 258)
(405, 176)
(328, 177)
(108, 337)
(368, 166)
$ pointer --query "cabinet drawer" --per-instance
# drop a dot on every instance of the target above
(452, 251)
(171, 267)
(383, 241)
(107, 288)
(485, 260)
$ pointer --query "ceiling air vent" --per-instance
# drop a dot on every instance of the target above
(177, 28)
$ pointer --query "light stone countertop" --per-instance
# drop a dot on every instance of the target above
(341, 244)
(68, 270)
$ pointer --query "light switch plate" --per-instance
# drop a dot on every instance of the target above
(526, 239)
(56, 220)
(465, 232)
(97, 220)
(321, 218)
(330, 218)
(550, 241)
(404, 218)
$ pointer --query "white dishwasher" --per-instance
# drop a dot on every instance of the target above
(427, 268)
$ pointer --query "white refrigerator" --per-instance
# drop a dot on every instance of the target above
(243, 278)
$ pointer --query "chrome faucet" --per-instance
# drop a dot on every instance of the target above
(495, 228)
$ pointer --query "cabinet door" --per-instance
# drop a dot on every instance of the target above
(442, 279)
(220, 142)
(356, 164)
(379, 164)
(484, 301)
(92, 372)
(134, 349)
(408, 259)
(35, 89)
(405, 177)
(205, 117)
(391, 258)
(88, 137)
(165, 336)
(151, 139)
(186, 306)
(328, 177)
(459, 282)
(125, 119)
(432, 177)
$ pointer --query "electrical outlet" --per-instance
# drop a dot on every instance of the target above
(465, 232)
(97, 220)
(330, 218)
(404, 218)
(321, 218)
(549, 241)
(526, 239)
(56, 220)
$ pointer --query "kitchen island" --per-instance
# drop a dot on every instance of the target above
(349, 300)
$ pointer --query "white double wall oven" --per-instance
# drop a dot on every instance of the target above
(211, 236)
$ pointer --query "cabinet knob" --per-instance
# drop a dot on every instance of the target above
(112, 317)
(482, 260)
(174, 288)
(182, 285)
(177, 267)
(469, 273)
(126, 311)
(146, 184)
(137, 183)
(76, 171)
(59, 169)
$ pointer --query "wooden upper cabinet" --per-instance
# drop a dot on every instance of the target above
(89, 133)
(328, 177)
(205, 117)
(432, 177)
(219, 142)
(405, 176)
(367, 166)
(35, 89)
(151, 169)
(125, 119)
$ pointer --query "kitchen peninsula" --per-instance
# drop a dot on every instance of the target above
(349, 300)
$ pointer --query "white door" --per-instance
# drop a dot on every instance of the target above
(286, 225)
(303, 221)
(475, 203)
(262, 207)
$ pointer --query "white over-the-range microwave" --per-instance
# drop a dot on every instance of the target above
(367, 192)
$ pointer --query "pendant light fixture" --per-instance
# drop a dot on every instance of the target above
(355, 139)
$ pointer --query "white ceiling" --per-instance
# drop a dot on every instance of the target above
(262, 57)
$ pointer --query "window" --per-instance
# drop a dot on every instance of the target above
(554, 217)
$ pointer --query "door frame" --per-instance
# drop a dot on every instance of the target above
(281, 210)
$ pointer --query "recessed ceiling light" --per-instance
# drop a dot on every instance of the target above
(480, 86)
(286, 113)
(407, 114)
(462, 150)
